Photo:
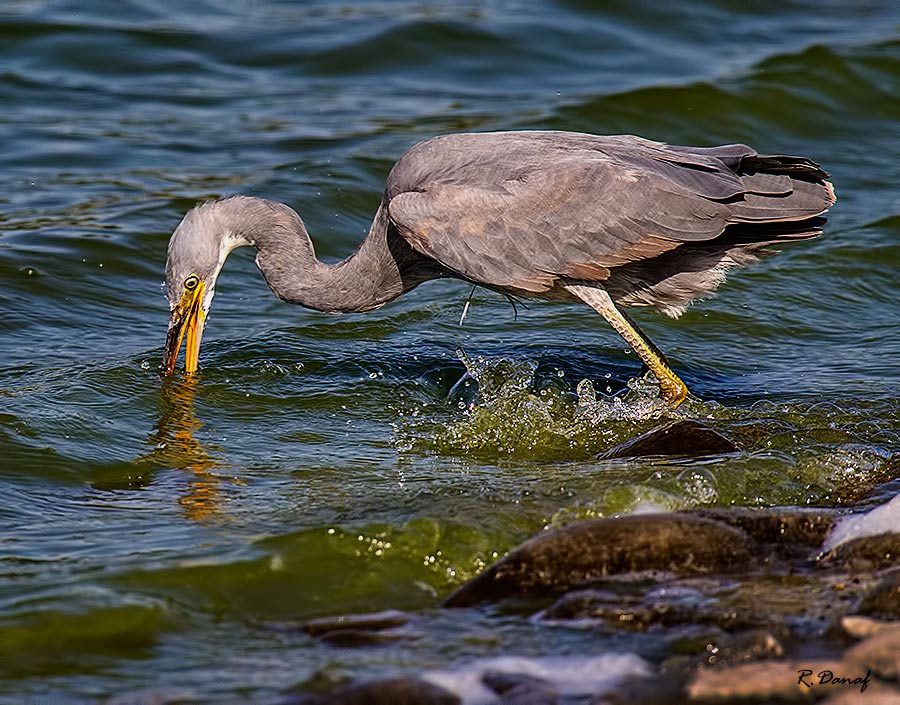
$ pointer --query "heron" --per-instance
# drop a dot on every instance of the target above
(608, 221)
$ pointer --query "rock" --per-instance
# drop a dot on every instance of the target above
(743, 647)
(719, 650)
(588, 551)
(371, 621)
(154, 697)
(390, 691)
(876, 694)
(884, 599)
(683, 437)
(520, 689)
(362, 637)
(353, 629)
(802, 528)
(880, 652)
(863, 627)
(760, 681)
(633, 614)
(662, 689)
(864, 553)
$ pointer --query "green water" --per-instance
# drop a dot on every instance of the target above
(169, 534)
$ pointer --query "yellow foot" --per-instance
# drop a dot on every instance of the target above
(672, 390)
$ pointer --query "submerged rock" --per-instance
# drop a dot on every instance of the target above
(684, 437)
(370, 621)
(585, 552)
(359, 629)
(390, 691)
(520, 689)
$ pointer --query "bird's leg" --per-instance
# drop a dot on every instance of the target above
(671, 388)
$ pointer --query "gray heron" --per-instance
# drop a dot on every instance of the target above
(605, 220)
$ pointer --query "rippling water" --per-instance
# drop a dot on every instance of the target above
(164, 532)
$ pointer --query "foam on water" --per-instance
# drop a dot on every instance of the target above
(567, 675)
(884, 519)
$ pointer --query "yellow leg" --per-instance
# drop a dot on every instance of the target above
(671, 388)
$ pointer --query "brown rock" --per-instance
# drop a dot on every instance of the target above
(805, 528)
(634, 614)
(865, 553)
(588, 551)
(884, 599)
(863, 627)
(760, 681)
(683, 437)
(880, 652)
(876, 694)
(743, 647)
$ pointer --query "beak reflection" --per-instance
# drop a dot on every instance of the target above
(187, 318)
(174, 446)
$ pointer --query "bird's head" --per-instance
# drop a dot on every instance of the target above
(197, 250)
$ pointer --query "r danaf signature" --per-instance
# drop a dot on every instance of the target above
(829, 678)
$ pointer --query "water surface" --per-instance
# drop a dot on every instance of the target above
(163, 532)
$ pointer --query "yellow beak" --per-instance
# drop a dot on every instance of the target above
(187, 317)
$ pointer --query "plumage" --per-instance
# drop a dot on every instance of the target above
(602, 219)
(522, 211)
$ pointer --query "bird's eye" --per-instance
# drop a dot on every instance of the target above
(191, 282)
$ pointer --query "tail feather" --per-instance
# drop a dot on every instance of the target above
(795, 167)
(781, 188)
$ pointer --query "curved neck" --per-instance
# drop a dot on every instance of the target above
(382, 268)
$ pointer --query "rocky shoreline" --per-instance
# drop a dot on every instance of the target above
(780, 620)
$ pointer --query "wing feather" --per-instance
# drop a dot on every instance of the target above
(521, 210)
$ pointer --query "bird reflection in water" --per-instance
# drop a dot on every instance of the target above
(174, 446)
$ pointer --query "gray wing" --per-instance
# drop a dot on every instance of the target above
(521, 210)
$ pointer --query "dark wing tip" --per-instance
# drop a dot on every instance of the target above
(795, 167)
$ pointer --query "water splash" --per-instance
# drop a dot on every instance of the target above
(506, 410)
(513, 412)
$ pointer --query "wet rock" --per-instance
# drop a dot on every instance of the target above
(731, 649)
(361, 637)
(371, 621)
(662, 689)
(684, 437)
(803, 529)
(633, 614)
(520, 689)
(720, 650)
(353, 629)
(884, 599)
(761, 681)
(864, 553)
(154, 697)
(880, 652)
(585, 552)
(863, 627)
(390, 691)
